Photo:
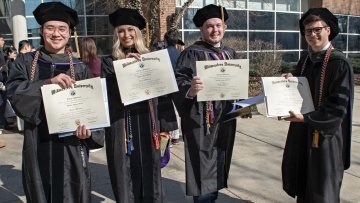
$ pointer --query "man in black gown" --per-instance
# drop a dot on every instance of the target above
(208, 140)
(317, 148)
(54, 169)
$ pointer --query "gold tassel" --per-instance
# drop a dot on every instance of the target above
(222, 15)
(147, 36)
(315, 139)
(76, 43)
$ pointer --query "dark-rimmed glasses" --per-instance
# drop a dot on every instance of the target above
(316, 30)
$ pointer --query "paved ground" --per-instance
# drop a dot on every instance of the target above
(255, 174)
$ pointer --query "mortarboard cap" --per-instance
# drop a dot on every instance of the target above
(56, 11)
(326, 16)
(207, 12)
(127, 16)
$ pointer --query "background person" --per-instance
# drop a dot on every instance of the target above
(88, 55)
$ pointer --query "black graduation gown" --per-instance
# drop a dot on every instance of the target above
(135, 177)
(207, 153)
(53, 168)
(315, 174)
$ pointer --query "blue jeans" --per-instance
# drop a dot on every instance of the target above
(206, 198)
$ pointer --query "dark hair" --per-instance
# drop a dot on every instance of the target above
(88, 50)
(10, 49)
(171, 37)
(23, 43)
(1, 36)
(313, 18)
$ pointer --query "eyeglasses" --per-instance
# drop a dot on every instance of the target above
(61, 29)
(316, 30)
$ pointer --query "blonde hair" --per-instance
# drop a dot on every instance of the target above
(139, 44)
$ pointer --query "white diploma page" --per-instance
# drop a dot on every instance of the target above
(148, 77)
(223, 79)
(86, 103)
(283, 95)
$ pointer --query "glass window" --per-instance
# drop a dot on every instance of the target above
(339, 42)
(32, 26)
(354, 24)
(35, 42)
(188, 16)
(30, 6)
(233, 3)
(191, 37)
(354, 43)
(259, 20)
(290, 56)
(236, 40)
(342, 23)
(77, 5)
(287, 21)
(197, 3)
(103, 45)
(237, 20)
(99, 7)
(241, 55)
(80, 28)
(5, 26)
(99, 26)
(261, 4)
(287, 40)
(288, 5)
(261, 40)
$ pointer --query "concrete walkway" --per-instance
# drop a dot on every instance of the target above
(255, 174)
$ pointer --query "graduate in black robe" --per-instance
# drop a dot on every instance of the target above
(132, 156)
(54, 169)
(317, 149)
(208, 140)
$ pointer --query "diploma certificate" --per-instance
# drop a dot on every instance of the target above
(223, 79)
(85, 103)
(283, 95)
(148, 77)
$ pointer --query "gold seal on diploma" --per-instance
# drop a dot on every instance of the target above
(141, 65)
(72, 93)
(77, 122)
(222, 69)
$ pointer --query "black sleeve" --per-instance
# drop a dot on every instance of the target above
(166, 114)
(329, 116)
(24, 95)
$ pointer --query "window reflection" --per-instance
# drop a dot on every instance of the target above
(354, 24)
(237, 20)
(339, 42)
(287, 40)
(354, 42)
(99, 26)
(188, 16)
(288, 5)
(233, 3)
(261, 4)
(342, 23)
(259, 20)
(287, 21)
(236, 40)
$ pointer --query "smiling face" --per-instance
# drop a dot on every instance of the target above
(317, 35)
(212, 31)
(126, 35)
(56, 35)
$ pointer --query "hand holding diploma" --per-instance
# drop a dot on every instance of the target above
(63, 80)
(196, 85)
(82, 133)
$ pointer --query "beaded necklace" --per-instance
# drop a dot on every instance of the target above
(315, 142)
